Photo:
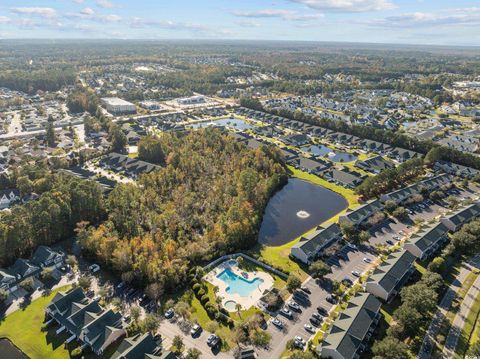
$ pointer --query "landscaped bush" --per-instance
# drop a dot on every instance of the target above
(201, 293)
(204, 299)
(196, 287)
(76, 352)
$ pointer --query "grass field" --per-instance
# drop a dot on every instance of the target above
(24, 329)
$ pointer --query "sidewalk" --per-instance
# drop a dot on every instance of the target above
(443, 307)
(459, 321)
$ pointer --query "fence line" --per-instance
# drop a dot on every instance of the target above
(247, 257)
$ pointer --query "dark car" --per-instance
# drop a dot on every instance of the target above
(322, 311)
(317, 316)
(331, 299)
(169, 314)
(306, 290)
(315, 322)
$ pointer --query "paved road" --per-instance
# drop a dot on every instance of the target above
(459, 321)
(444, 306)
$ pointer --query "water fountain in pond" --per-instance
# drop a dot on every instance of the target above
(303, 214)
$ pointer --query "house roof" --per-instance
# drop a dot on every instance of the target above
(364, 211)
(377, 163)
(98, 332)
(318, 238)
(428, 237)
(62, 301)
(465, 214)
(392, 270)
(44, 254)
(137, 347)
(351, 326)
(23, 268)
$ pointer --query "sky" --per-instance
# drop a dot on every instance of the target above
(436, 22)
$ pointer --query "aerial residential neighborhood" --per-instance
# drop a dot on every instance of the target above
(293, 180)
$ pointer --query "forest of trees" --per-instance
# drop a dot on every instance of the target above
(31, 81)
(207, 201)
(49, 219)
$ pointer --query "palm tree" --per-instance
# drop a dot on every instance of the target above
(238, 308)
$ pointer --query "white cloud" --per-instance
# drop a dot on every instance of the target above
(107, 4)
(169, 25)
(248, 23)
(87, 11)
(347, 5)
(4, 20)
(278, 13)
(450, 17)
(46, 12)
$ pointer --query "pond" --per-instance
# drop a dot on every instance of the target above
(327, 152)
(10, 351)
(226, 122)
(298, 207)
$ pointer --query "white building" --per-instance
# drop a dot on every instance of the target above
(193, 100)
(116, 105)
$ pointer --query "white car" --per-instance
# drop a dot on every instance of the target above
(309, 328)
(94, 268)
(367, 260)
(277, 323)
(356, 273)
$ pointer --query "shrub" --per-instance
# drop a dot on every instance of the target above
(196, 287)
(204, 299)
(76, 352)
(201, 293)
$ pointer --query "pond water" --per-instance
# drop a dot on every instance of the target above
(327, 152)
(10, 351)
(227, 122)
(282, 222)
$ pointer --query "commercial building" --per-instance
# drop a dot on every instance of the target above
(117, 106)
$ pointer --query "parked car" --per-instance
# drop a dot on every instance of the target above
(195, 330)
(315, 322)
(317, 316)
(286, 312)
(367, 260)
(294, 306)
(213, 340)
(351, 245)
(277, 323)
(347, 281)
(331, 299)
(169, 313)
(388, 241)
(121, 285)
(356, 273)
(94, 268)
(309, 328)
(322, 311)
(306, 290)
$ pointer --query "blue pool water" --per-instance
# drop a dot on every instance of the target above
(234, 123)
(238, 285)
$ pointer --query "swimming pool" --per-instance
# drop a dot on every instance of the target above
(238, 285)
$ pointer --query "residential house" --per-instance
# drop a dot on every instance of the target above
(456, 170)
(351, 331)
(314, 166)
(389, 277)
(45, 257)
(297, 140)
(426, 242)
(312, 244)
(23, 269)
(8, 282)
(461, 216)
(374, 164)
(8, 197)
(361, 214)
(345, 178)
(402, 155)
(85, 320)
(138, 347)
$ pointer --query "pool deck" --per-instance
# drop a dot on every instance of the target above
(245, 302)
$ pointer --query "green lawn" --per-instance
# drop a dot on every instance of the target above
(24, 329)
